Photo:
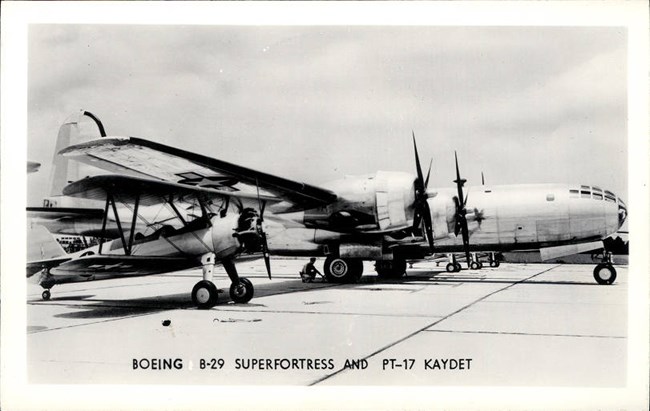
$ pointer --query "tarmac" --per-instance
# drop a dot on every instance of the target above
(540, 325)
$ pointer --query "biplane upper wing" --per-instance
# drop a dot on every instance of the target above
(148, 191)
(143, 158)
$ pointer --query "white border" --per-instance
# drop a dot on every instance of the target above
(16, 16)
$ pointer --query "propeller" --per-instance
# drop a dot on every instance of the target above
(461, 211)
(482, 179)
(261, 233)
(422, 211)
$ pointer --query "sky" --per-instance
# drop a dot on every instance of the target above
(316, 103)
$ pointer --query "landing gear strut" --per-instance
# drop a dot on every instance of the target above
(493, 260)
(343, 270)
(204, 293)
(453, 266)
(476, 263)
(605, 273)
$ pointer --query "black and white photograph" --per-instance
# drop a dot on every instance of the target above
(397, 210)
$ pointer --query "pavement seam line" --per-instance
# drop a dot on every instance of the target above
(340, 370)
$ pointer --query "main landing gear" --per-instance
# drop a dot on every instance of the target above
(453, 266)
(204, 293)
(343, 270)
(605, 273)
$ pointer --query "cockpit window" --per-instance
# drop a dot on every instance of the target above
(585, 193)
(550, 197)
(597, 196)
(573, 193)
(610, 197)
(585, 187)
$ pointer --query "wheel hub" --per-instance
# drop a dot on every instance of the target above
(202, 295)
(339, 268)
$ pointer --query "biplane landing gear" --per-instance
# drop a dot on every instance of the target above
(204, 293)
(241, 289)
(47, 282)
(243, 292)
(605, 273)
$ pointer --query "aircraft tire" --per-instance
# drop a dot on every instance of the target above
(343, 270)
(46, 295)
(480, 265)
(204, 294)
(450, 268)
(494, 264)
(243, 292)
(457, 267)
(474, 265)
(391, 270)
(605, 274)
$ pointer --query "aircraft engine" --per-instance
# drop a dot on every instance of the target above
(378, 201)
(443, 211)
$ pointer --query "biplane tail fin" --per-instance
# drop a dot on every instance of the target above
(42, 250)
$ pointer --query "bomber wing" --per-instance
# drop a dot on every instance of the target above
(147, 159)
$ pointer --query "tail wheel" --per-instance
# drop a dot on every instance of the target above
(605, 274)
(243, 292)
(46, 295)
(204, 294)
(343, 270)
(391, 270)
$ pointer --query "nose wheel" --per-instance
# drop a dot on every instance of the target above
(605, 274)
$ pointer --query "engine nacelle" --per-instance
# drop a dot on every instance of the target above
(380, 201)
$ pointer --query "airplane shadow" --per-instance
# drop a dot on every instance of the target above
(100, 308)
(96, 308)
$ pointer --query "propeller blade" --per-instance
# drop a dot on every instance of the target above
(420, 180)
(422, 210)
(428, 225)
(267, 256)
(262, 234)
(482, 179)
(426, 182)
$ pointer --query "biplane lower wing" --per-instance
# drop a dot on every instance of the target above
(107, 266)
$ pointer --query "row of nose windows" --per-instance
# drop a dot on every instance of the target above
(593, 193)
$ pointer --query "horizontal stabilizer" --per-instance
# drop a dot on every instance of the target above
(549, 253)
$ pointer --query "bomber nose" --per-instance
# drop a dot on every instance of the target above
(622, 212)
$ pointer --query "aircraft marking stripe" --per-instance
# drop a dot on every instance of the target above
(435, 323)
